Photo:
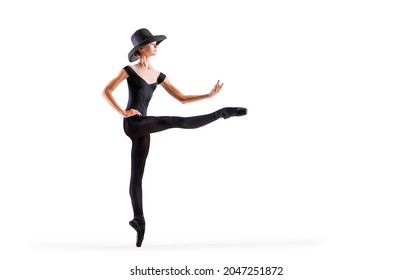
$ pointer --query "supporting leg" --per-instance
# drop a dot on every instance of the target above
(139, 153)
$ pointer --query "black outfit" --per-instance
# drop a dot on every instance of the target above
(139, 128)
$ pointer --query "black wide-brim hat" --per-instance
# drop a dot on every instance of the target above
(140, 38)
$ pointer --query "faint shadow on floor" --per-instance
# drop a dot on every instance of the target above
(148, 246)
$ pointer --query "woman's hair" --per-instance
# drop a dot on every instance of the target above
(137, 54)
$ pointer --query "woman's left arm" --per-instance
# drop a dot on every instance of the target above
(184, 98)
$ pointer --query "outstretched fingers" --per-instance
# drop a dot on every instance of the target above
(217, 88)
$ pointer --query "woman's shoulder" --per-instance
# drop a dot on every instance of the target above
(160, 74)
(128, 69)
(161, 78)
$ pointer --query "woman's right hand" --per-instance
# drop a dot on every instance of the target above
(130, 113)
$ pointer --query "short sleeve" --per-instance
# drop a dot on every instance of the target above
(127, 69)
(161, 78)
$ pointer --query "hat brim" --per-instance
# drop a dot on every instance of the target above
(158, 38)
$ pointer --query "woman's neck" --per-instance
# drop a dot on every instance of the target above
(144, 63)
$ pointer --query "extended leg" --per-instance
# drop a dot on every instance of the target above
(138, 126)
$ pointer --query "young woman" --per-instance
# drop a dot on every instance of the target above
(142, 80)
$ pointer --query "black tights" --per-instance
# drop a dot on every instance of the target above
(139, 130)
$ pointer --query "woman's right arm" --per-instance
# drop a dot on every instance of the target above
(107, 94)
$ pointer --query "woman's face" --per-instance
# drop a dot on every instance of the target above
(149, 49)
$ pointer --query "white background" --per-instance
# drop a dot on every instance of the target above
(316, 178)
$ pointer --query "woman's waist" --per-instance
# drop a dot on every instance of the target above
(141, 109)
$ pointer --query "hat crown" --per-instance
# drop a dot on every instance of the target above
(140, 35)
(140, 38)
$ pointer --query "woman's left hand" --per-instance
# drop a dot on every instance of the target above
(217, 88)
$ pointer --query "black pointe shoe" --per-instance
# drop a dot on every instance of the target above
(233, 112)
(139, 238)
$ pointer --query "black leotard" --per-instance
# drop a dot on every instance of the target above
(140, 92)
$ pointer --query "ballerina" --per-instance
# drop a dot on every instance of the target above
(142, 81)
